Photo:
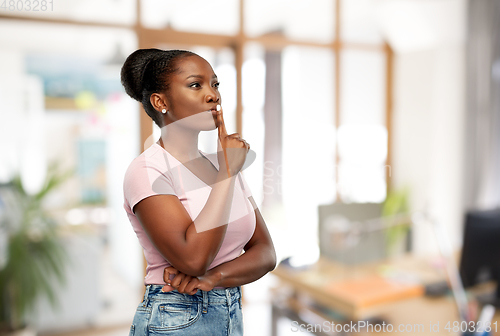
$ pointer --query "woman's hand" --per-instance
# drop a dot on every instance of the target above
(233, 147)
(180, 281)
(187, 284)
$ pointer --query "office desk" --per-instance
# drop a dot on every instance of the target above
(313, 291)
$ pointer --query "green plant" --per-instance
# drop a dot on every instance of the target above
(35, 252)
(396, 203)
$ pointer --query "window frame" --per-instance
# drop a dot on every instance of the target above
(148, 38)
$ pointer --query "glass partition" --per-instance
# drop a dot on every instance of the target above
(296, 19)
(308, 138)
(363, 153)
(253, 95)
(362, 135)
(363, 86)
(196, 16)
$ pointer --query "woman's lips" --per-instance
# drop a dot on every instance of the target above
(214, 111)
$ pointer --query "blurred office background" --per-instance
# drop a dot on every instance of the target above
(343, 101)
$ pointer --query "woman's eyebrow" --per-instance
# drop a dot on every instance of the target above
(195, 76)
(200, 76)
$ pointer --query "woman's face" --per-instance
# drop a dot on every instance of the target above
(193, 95)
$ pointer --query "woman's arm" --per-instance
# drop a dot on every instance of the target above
(259, 258)
(189, 246)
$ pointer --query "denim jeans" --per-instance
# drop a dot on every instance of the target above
(217, 312)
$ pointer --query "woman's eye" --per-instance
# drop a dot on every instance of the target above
(216, 84)
(194, 85)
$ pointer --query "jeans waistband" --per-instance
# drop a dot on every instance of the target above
(215, 296)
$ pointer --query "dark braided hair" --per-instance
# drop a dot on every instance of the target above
(147, 71)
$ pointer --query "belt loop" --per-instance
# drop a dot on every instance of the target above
(228, 297)
(146, 294)
(205, 301)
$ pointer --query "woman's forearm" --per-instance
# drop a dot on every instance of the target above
(205, 234)
(248, 267)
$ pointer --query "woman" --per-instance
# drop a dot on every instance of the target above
(193, 213)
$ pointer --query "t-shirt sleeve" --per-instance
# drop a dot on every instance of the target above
(244, 186)
(143, 180)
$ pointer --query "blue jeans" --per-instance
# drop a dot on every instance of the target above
(217, 312)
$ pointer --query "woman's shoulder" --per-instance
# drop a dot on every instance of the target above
(148, 174)
(151, 158)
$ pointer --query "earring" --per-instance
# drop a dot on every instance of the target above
(164, 111)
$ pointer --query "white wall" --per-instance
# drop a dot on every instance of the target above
(429, 113)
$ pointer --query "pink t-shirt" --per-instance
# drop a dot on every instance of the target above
(156, 172)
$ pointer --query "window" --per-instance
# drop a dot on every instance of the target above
(362, 134)
(305, 82)
(196, 16)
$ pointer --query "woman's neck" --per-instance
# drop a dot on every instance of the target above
(180, 142)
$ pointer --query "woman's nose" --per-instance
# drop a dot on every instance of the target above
(212, 97)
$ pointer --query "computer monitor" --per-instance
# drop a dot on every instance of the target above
(369, 246)
(480, 260)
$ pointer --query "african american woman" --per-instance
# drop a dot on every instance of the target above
(194, 215)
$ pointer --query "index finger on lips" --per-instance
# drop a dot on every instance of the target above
(221, 126)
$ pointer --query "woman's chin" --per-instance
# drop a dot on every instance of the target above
(208, 122)
(202, 121)
(209, 127)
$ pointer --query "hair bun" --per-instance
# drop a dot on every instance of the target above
(133, 69)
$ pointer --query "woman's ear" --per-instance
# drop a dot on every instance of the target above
(158, 102)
